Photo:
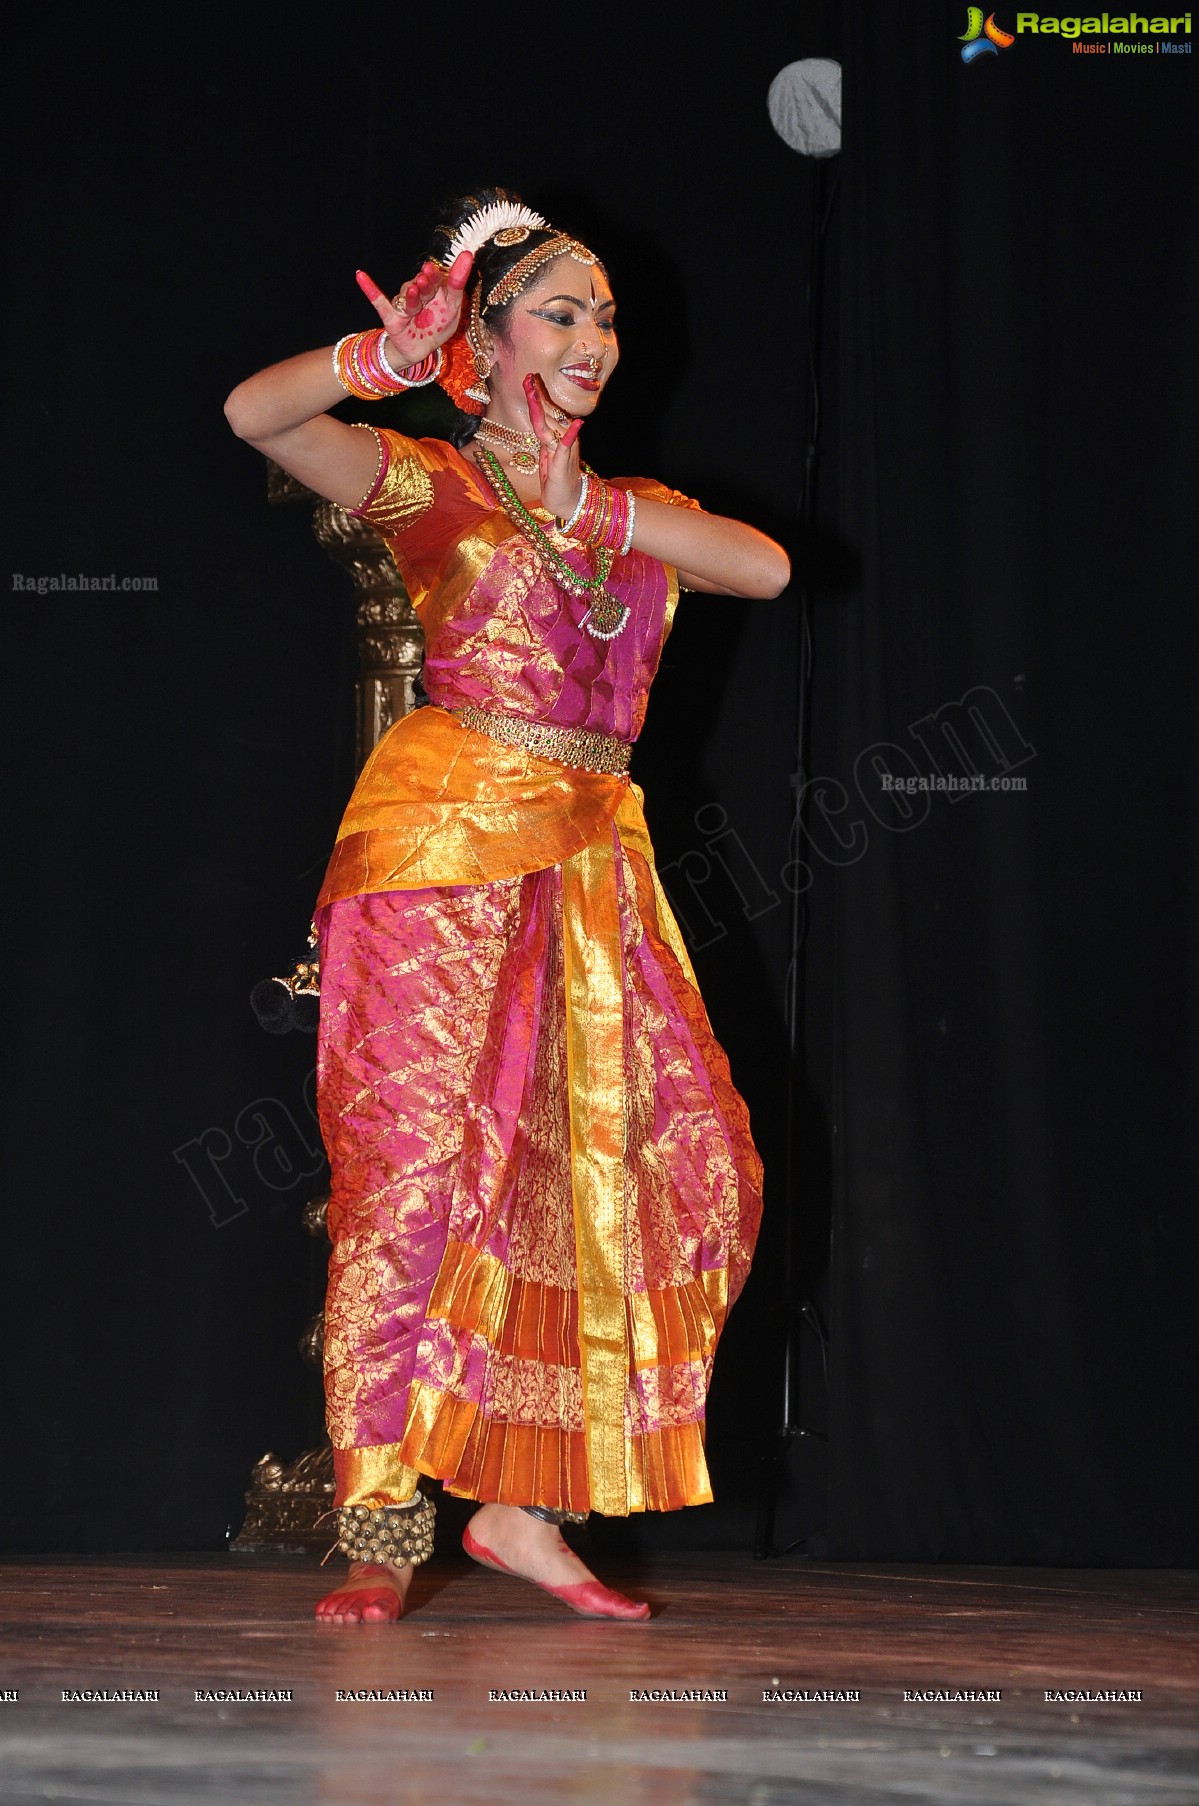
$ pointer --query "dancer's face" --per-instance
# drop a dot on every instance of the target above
(561, 328)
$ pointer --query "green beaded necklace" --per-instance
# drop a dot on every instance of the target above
(606, 616)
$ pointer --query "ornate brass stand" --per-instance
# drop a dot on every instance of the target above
(286, 1499)
(390, 642)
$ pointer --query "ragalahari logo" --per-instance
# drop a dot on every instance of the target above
(983, 38)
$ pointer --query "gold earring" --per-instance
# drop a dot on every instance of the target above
(478, 390)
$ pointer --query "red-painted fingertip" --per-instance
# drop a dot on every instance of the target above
(367, 284)
(572, 432)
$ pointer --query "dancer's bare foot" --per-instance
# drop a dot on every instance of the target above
(371, 1593)
(506, 1537)
(531, 1548)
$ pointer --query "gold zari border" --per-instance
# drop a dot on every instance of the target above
(373, 1476)
(595, 1082)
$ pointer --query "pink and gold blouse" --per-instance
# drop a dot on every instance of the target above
(438, 803)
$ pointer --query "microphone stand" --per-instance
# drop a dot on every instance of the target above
(798, 1309)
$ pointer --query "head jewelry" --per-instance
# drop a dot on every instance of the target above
(466, 366)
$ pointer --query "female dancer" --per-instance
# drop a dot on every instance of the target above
(544, 1192)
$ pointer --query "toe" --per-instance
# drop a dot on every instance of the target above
(337, 1608)
(355, 1605)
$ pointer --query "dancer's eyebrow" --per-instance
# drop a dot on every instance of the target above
(574, 299)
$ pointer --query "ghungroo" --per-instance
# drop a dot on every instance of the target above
(398, 1536)
(550, 1515)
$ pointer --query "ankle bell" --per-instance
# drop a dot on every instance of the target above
(398, 1536)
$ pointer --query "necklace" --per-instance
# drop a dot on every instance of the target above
(606, 616)
(523, 449)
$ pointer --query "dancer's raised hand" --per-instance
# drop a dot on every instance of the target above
(426, 311)
(558, 461)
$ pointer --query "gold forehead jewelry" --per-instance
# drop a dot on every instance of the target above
(519, 274)
(512, 235)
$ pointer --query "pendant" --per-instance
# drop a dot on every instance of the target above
(526, 461)
(605, 619)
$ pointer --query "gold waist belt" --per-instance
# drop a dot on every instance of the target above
(581, 747)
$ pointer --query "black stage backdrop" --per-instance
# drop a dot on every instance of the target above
(1010, 1052)
(996, 1136)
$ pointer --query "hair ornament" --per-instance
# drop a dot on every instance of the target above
(500, 216)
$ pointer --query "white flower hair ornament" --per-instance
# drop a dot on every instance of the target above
(507, 221)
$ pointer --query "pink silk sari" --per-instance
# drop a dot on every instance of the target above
(545, 1194)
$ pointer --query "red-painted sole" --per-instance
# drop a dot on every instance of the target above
(589, 1598)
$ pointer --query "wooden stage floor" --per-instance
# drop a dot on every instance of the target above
(722, 1625)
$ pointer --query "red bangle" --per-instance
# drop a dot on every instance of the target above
(362, 369)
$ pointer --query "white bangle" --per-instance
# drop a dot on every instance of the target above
(627, 546)
(564, 526)
(399, 374)
(336, 351)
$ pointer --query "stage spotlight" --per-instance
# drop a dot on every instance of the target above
(804, 103)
